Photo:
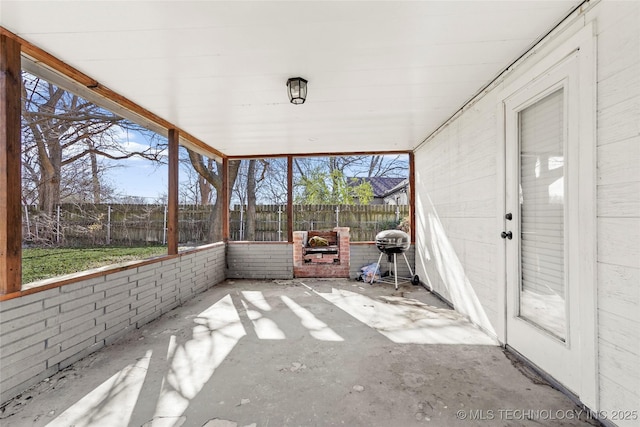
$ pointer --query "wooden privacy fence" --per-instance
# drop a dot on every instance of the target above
(365, 221)
(140, 224)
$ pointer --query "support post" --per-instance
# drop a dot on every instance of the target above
(58, 209)
(225, 199)
(108, 224)
(10, 167)
(290, 199)
(172, 199)
(412, 197)
(164, 226)
(279, 223)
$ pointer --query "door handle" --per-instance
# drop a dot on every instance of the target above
(506, 235)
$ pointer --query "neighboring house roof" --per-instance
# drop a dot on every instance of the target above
(381, 185)
(402, 185)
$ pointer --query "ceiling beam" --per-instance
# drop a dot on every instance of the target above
(323, 154)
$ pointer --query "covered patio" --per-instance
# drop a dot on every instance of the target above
(520, 125)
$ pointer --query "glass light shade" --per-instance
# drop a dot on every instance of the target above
(297, 88)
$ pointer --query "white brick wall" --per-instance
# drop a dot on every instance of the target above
(259, 260)
(456, 204)
(618, 199)
(47, 331)
(275, 261)
(456, 212)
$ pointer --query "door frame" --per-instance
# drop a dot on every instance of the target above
(558, 356)
(582, 44)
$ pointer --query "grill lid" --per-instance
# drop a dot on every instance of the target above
(392, 241)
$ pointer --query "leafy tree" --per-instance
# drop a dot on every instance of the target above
(377, 165)
(321, 187)
(332, 179)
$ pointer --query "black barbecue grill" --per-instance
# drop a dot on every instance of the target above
(392, 243)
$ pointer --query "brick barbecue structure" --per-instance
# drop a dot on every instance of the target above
(321, 261)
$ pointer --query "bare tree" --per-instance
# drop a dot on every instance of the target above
(396, 166)
(63, 133)
(212, 172)
(273, 187)
(247, 189)
(189, 191)
(251, 200)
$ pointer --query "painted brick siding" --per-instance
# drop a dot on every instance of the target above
(456, 213)
(456, 209)
(618, 204)
(259, 260)
(275, 261)
(47, 331)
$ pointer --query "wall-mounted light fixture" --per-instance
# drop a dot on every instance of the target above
(297, 89)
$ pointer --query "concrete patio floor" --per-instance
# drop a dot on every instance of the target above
(313, 352)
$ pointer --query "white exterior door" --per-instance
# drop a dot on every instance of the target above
(541, 222)
(547, 213)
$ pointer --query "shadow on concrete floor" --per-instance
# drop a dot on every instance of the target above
(315, 352)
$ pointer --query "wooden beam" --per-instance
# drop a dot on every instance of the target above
(10, 167)
(172, 202)
(319, 154)
(412, 196)
(225, 200)
(290, 199)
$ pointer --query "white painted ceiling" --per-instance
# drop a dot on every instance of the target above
(382, 75)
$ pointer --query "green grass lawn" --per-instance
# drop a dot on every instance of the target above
(43, 263)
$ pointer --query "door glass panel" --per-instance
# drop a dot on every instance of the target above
(542, 204)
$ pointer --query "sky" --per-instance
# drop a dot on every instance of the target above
(140, 178)
(136, 176)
